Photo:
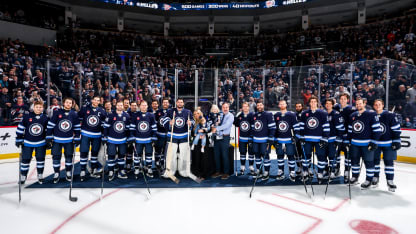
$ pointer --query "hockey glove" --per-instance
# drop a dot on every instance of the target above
(77, 141)
(372, 146)
(250, 143)
(396, 145)
(323, 144)
(49, 143)
(19, 143)
(104, 140)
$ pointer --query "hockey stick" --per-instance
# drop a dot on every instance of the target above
(188, 161)
(330, 170)
(144, 176)
(169, 154)
(349, 173)
(20, 175)
(258, 173)
(235, 150)
(298, 158)
(71, 198)
(102, 179)
(304, 154)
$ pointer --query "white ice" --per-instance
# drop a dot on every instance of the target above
(285, 209)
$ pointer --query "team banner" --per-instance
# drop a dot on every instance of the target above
(204, 6)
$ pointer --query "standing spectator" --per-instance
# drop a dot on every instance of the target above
(411, 92)
(222, 142)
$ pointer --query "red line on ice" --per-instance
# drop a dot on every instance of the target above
(311, 204)
(309, 229)
(81, 210)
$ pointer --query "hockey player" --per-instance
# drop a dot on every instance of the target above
(180, 137)
(263, 129)
(64, 132)
(286, 124)
(161, 134)
(363, 132)
(116, 133)
(298, 112)
(345, 110)
(337, 130)
(243, 122)
(143, 129)
(132, 111)
(92, 118)
(314, 132)
(30, 134)
(388, 143)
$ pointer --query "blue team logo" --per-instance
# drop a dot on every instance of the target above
(93, 120)
(383, 128)
(329, 118)
(244, 126)
(258, 125)
(283, 126)
(64, 125)
(143, 126)
(179, 122)
(357, 126)
(119, 126)
(161, 121)
(312, 123)
(36, 129)
(341, 119)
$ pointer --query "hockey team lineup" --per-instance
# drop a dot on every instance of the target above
(299, 139)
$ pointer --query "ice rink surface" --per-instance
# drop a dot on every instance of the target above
(285, 209)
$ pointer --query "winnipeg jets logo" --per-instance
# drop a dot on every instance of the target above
(383, 128)
(312, 123)
(258, 125)
(161, 121)
(357, 126)
(341, 119)
(65, 125)
(119, 127)
(283, 126)
(179, 122)
(143, 126)
(35, 129)
(329, 118)
(244, 126)
(92, 120)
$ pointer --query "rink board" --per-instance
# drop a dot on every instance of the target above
(8, 149)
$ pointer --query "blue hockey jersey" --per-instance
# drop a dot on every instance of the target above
(143, 127)
(336, 126)
(345, 114)
(63, 126)
(263, 127)
(364, 128)
(159, 117)
(117, 127)
(314, 126)
(390, 129)
(180, 130)
(243, 122)
(92, 120)
(285, 123)
(32, 130)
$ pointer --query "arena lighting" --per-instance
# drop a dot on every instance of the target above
(204, 6)
(310, 50)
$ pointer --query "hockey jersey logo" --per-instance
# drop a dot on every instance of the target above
(244, 126)
(383, 128)
(179, 122)
(92, 120)
(36, 129)
(312, 123)
(119, 127)
(341, 119)
(65, 125)
(358, 126)
(258, 125)
(283, 126)
(143, 126)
